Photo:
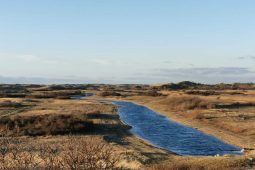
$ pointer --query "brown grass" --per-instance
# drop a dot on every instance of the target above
(210, 163)
(60, 117)
(186, 103)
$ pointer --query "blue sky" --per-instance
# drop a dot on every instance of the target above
(127, 41)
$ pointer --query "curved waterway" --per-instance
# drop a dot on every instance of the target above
(167, 134)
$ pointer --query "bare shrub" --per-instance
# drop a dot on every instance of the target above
(75, 154)
(88, 155)
(49, 155)
(14, 157)
(4, 150)
(26, 160)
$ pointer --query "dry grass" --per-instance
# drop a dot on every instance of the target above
(54, 106)
(203, 163)
(54, 117)
(240, 122)
(186, 103)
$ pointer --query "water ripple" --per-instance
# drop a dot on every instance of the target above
(167, 134)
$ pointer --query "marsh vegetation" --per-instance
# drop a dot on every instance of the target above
(40, 125)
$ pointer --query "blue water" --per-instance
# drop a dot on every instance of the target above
(169, 135)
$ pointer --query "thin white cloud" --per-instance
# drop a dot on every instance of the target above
(28, 58)
(34, 59)
(101, 61)
(220, 71)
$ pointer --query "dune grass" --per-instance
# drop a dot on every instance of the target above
(187, 103)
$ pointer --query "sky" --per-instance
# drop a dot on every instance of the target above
(127, 41)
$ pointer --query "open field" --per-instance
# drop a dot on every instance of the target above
(228, 114)
(53, 125)
(229, 118)
(35, 123)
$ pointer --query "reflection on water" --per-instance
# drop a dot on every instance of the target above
(167, 134)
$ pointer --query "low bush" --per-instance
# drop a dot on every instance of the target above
(45, 125)
(54, 94)
(76, 154)
(9, 103)
(153, 93)
(109, 93)
(235, 105)
(202, 93)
